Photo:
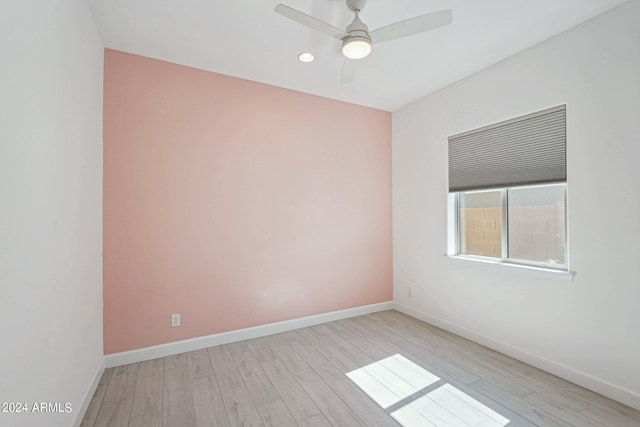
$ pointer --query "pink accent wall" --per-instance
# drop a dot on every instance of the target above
(235, 203)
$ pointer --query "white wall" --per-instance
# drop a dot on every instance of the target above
(50, 206)
(588, 330)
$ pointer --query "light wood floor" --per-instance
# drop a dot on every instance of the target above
(298, 378)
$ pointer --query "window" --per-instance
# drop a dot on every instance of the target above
(508, 186)
(523, 225)
(536, 224)
(480, 223)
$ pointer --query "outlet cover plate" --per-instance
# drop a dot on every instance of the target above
(175, 320)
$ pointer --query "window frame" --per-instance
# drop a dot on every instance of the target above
(504, 259)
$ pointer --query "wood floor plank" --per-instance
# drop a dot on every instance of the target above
(199, 364)
(314, 358)
(177, 401)
(146, 410)
(410, 416)
(566, 394)
(608, 405)
(175, 361)
(255, 379)
(289, 358)
(91, 414)
(386, 348)
(333, 407)
(506, 371)
(357, 340)
(400, 322)
(369, 336)
(562, 399)
(424, 353)
(518, 405)
(240, 408)
(319, 342)
(361, 404)
(122, 383)
(315, 421)
(116, 405)
(481, 369)
(486, 403)
(325, 334)
(361, 359)
(293, 395)
(608, 417)
(115, 412)
(208, 404)
(343, 362)
(561, 411)
(275, 414)
(334, 350)
(503, 370)
(262, 350)
(451, 360)
(225, 368)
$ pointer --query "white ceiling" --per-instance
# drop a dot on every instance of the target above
(247, 39)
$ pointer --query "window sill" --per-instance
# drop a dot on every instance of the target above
(546, 273)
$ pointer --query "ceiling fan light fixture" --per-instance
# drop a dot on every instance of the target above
(356, 47)
(356, 39)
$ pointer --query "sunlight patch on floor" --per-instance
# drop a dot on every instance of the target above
(390, 380)
(395, 378)
(448, 406)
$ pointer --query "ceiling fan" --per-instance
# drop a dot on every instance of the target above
(357, 40)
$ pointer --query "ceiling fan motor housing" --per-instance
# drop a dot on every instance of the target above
(357, 30)
(356, 35)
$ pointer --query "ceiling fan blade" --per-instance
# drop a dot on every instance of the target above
(309, 21)
(412, 26)
(348, 71)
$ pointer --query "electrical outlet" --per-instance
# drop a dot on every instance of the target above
(175, 320)
(410, 292)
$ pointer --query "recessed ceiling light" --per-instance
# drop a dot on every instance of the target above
(306, 57)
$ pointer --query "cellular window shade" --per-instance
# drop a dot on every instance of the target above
(526, 150)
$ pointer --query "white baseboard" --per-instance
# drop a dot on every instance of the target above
(87, 398)
(580, 378)
(163, 350)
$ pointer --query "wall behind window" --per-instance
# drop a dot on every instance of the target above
(236, 204)
(590, 325)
